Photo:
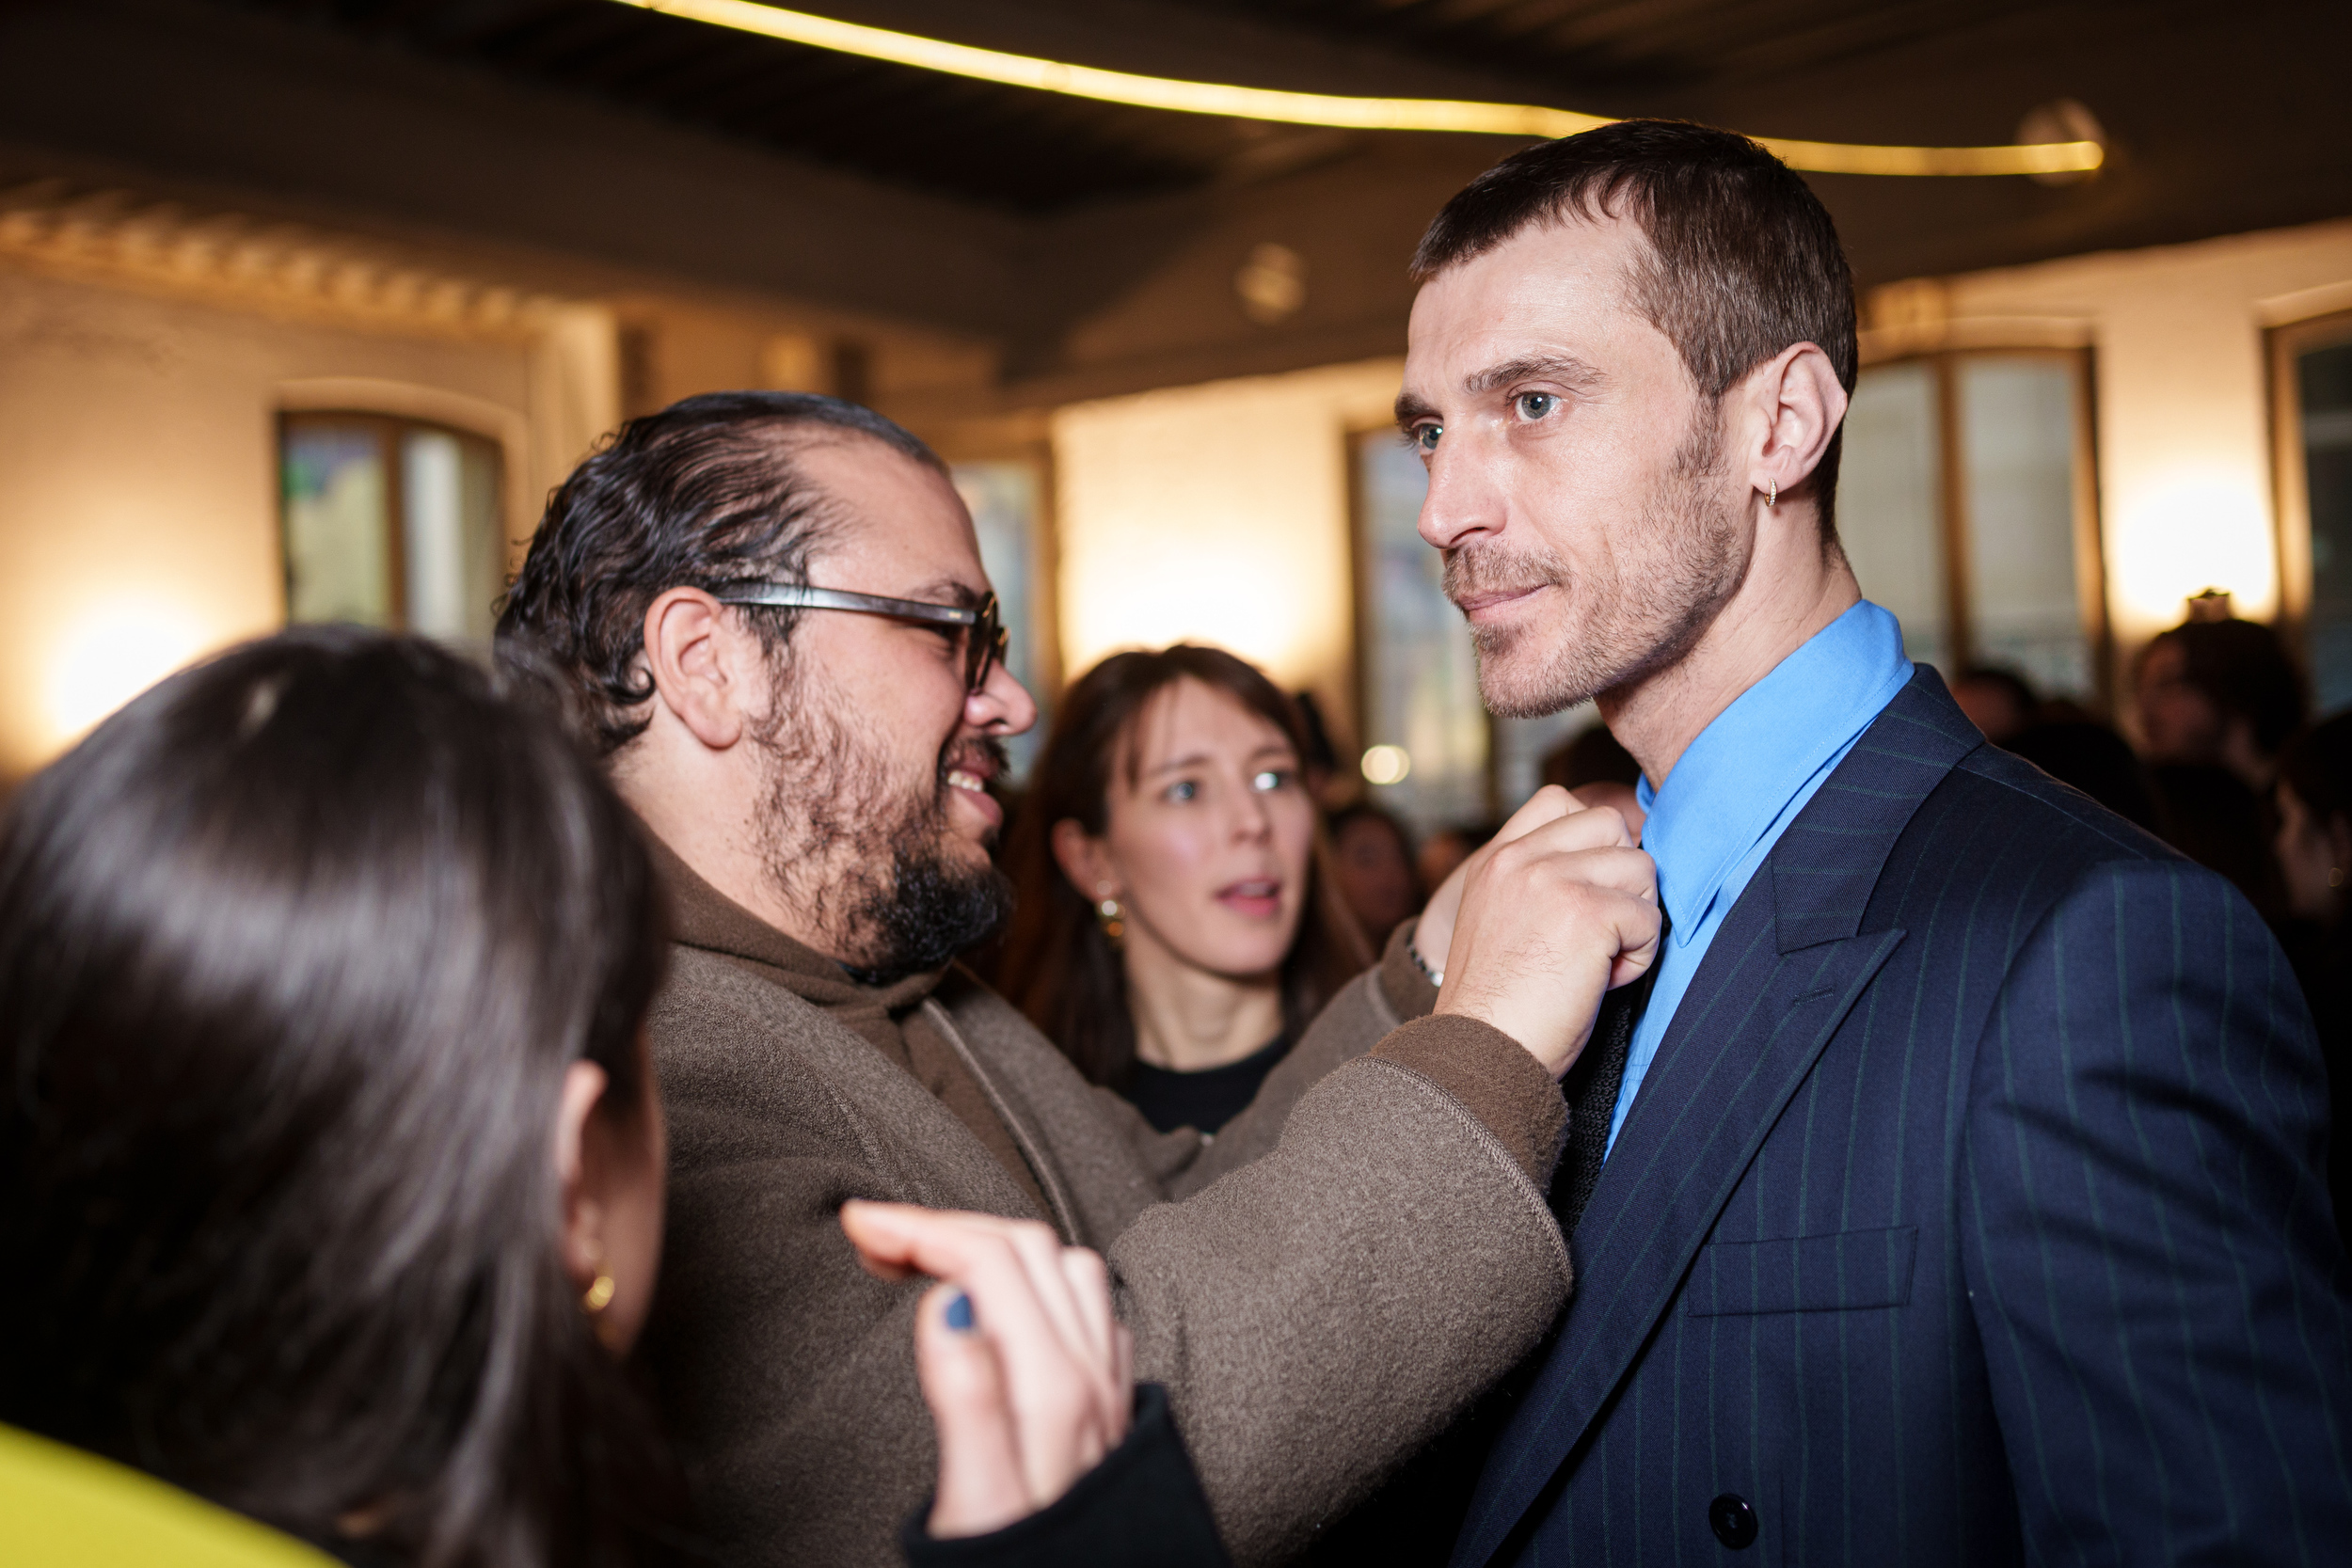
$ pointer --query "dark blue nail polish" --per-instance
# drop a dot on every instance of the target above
(960, 1313)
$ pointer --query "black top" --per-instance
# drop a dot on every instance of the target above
(1141, 1508)
(1206, 1099)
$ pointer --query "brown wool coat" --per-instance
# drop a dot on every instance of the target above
(1344, 1270)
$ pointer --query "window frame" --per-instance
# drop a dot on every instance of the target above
(1028, 442)
(2290, 483)
(388, 429)
(1364, 586)
(1952, 500)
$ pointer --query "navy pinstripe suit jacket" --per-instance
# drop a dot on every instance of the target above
(1972, 1213)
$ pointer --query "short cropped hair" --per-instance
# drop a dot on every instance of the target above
(706, 493)
(1743, 258)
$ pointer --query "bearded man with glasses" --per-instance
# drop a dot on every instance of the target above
(771, 613)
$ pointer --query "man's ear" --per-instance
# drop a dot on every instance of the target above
(1795, 405)
(1084, 860)
(707, 667)
(581, 1243)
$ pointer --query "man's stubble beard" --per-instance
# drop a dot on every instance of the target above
(868, 863)
(1653, 612)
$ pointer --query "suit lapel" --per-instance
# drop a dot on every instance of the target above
(1778, 978)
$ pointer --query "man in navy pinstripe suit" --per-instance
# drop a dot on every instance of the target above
(1953, 1194)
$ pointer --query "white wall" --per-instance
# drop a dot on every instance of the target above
(1218, 514)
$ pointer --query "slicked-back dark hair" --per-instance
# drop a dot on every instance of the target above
(295, 952)
(707, 492)
(1744, 259)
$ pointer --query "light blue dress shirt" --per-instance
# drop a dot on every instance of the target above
(1741, 784)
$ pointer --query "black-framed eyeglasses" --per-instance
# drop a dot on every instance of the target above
(984, 642)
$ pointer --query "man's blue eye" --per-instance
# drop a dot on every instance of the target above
(1425, 435)
(1534, 405)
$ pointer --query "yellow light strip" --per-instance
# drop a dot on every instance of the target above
(1316, 108)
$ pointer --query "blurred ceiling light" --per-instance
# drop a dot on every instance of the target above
(109, 656)
(1386, 765)
(1272, 284)
(2060, 121)
(1315, 108)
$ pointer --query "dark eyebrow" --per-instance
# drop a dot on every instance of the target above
(1411, 410)
(948, 591)
(1542, 367)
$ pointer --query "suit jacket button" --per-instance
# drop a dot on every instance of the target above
(1732, 1520)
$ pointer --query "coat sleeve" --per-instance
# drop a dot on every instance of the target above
(2151, 1263)
(1320, 1314)
(1363, 1012)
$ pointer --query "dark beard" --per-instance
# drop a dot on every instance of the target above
(930, 912)
(871, 868)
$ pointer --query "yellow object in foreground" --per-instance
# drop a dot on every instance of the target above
(1317, 108)
(62, 1508)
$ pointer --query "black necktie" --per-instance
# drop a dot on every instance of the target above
(1591, 1087)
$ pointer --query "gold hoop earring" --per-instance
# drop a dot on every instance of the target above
(1771, 495)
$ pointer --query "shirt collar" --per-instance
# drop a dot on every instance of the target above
(1741, 771)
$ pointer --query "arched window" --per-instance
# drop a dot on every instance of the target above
(391, 522)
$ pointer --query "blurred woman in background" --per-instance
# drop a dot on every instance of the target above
(2216, 700)
(331, 1169)
(1173, 931)
(1372, 864)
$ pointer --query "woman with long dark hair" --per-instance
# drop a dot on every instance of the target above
(331, 1160)
(1176, 926)
(308, 959)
